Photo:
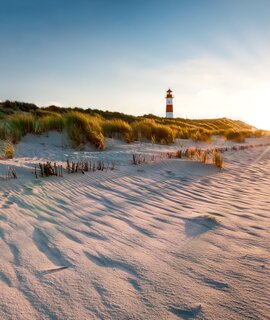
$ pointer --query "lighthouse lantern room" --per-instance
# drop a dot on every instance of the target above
(169, 104)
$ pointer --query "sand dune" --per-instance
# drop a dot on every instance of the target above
(175, 239)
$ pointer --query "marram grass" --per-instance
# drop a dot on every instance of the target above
(149, 130)
(83, 128)
(92, 126)
(117, 128)
(7, 151)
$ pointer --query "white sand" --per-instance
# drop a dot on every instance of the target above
(135, 241)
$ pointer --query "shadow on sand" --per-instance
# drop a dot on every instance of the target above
(198, 225)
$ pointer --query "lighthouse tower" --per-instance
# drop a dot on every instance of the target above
(169, 104)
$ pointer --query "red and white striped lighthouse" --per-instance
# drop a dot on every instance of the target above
(169, 104)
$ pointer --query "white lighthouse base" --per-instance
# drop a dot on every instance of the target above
(169, 114)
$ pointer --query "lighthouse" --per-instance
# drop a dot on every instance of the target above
(169, 104)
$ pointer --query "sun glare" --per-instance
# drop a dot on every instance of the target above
(260, 116)
(261, 122)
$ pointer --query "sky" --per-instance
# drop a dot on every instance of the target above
(123, 55)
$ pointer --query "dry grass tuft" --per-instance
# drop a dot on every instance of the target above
(7, 150)
(117, 128)
(149, 130)
(210, 217)
(50, 122)
(83, 128)
(201, 135)
(218, 159)
(19, 125)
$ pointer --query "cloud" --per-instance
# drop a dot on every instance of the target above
(205, 87)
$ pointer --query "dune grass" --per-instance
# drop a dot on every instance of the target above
(238, 135)
(82, 128)
(148, 129)
(7, 151)
(218, 159)
(49, 123)
(117, 128)
(14, 127)
(3, 133)
(92, 126)
(201, 135)
(18, 126)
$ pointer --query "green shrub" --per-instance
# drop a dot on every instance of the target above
(3, 132)
(10, 107)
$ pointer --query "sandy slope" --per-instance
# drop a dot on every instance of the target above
(135, 241)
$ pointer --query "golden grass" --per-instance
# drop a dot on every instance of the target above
(218, 159)
(201, 135)
(7, 151)
(50, 122)
(92, 126)
(19, 125)
(149, 130)
(236, 136)
(117, 128)
(210, 217)
(83, 128)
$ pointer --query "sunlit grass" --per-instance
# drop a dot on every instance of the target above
(148, 129)
(7, 150)
(92, 126)
(83, 128)
(117, 128)
(218, 159)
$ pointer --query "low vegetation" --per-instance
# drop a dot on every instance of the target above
(210, 217)
(218, 159)
(48, 168)
(150, 130)
(92, 126)
(117, 128)
(82, 129)
(7, 150)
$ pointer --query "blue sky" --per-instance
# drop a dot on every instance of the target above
(123, 55)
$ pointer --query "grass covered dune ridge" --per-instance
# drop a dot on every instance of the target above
(92, 126)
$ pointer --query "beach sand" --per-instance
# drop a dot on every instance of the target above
(170, 239)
